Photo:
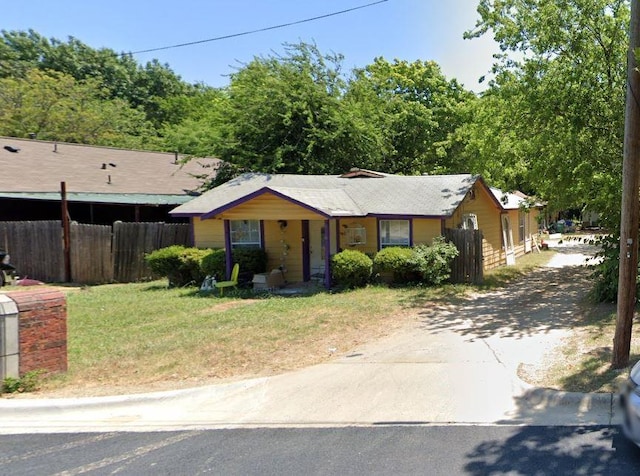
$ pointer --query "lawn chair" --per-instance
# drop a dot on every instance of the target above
(232, 283)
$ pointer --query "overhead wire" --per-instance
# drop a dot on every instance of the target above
(250, 32)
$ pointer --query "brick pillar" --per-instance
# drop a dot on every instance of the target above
(42, 330)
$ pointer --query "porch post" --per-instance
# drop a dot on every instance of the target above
(227, 247)
(327, 255)
(306, 251)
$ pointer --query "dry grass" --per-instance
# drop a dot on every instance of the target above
(140, 337)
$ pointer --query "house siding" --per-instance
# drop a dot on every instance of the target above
(208, 233)
(425, 230)
(269, 207)
(488, 214)
(370, 247)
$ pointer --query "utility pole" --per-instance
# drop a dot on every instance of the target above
(630, 213)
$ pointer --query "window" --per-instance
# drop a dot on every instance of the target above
(469, 222)
(245, 234)
(394, 233)
(521, 226)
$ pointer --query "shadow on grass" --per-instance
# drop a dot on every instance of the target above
(594, 373)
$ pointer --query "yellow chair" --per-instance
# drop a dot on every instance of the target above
(232, 283)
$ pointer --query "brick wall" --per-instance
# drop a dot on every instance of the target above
(42, 327)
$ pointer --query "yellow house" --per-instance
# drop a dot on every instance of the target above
(301, 220)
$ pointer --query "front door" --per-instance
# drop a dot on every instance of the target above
(507, 241)
(316, 249)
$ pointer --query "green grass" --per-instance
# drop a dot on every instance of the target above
(137, 335)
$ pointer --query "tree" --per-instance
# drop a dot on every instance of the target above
(285, 114)
(417, 110)
(54, 106)
(118, 74)
(561, 99)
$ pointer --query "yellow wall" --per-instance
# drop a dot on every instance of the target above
(488, 214)
(425, 230)
(269, 207)
(208, 233)
(284, 248)
(371, 227)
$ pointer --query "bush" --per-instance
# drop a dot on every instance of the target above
(433, 263)
(396, 260)
(351, 268)
(29, 382)
(250, 260)
(182, 266)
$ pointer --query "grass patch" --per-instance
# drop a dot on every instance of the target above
(499, 277)
(583, 364)
(144, 334)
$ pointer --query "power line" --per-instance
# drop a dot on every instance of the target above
(275, 27)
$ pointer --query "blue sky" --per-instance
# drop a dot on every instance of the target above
(402, 29)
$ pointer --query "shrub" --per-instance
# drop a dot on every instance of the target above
(396, 260)
(250, 260)
(434, 262)
(351, 268)
(29, 382)
(182, 266)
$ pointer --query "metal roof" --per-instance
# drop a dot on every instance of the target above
(112, 198)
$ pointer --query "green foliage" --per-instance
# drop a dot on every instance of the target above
(182, 266)
(433, 263)
(606, 273)
(250, 260)
(351, 268)
(396, 260)
(120, 77)
(29, 382)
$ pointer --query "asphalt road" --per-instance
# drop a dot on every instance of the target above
(384, 450)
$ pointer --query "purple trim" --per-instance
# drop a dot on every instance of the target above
(379, 234)
(262, 245)
(327, 255)
(306, 252)
(410, 232)
(338, 235)
(227, 247)
(258, 193)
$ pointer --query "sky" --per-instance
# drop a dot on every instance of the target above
(394, 29)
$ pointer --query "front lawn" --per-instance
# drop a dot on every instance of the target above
(141, 337)
(126, 336)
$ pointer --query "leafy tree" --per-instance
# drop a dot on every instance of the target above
(285, 115)
(559, 104)
(118, 74)
(417, 110)
(56, 107)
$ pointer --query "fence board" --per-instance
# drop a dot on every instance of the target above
(99, 254)
(467, 267)
(91, 258)
(35, 247)
(131, 241)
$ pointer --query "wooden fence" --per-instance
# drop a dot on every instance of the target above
(467, 266)
(99, 253)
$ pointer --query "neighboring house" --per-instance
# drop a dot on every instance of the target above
(520, 223)
(103, 184)
(301, 220)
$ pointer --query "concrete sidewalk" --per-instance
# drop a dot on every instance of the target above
(455, 365)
